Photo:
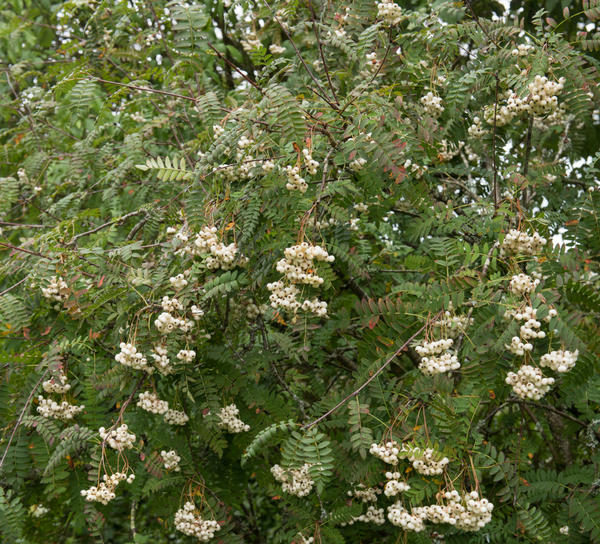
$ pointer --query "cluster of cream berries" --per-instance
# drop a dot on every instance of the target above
(166, 322)
(517, 242)
(56, 384)
(476, 130)
(229, 420)
(372, 515)
(365, 494)
(57, 289)
(298, 264)
(311, 164)
(51, 409)
(560, 361)
(39, 510)
(170, 460)
(432, 104)
(529, 382)
(104, 492)
(150, 402)
(468, 513)
(118, 439)
(390, 452)
(394, 485)
(190, 523)
(389, 12)
(542, 100)
(435, 357)
(452, 325)
(131, 357)
(522, 284)
(425, 461)
(206, 242)
(295, 481)
(176, 417)
(295, 182)
(298, 267)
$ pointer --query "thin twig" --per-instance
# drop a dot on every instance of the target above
(312, 76)
(247, 78)
(145, 89)
(22, 249)
(18, 423)
(373, 376)
(316, 29)
(13, 286)
(496, 188)
(104, 225)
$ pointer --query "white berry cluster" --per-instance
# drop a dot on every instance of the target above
(57, 289)
(435, 357)
(218, 255)
(417, 170)
(372, 63)
(522, 284)
(432, 104)
(295, 481)
(52, 409)
(394, 485)
(542, 95)
(251, 42)
(389, 12)
(357, 164)
(56, 384)
(390, 452)
(295, 182)
(171, 304)
(518, 347)
(131, 357)
(365, 494)
(118, 439)
(517, 242)
(167, 323)
(186, 355)
(178, 282)
(399, 516)
(275, 49)
(448, 150)
(161, 358)
(298, 267)
(304, 540)
(150, 402)
(476, 130)
(176, 417)
(39, 510)
(284, 296)
(522, 50)
(564, 530)
(190, 523)
(469, 513)
(372, 515)
(427, 461)
(505, 113)
(229, 420)
(560, 361)
(170, 460)
(452, 325)
(311, 164)
(104, 492)
(298, 264)
(529, 382)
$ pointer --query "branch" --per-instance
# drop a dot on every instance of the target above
(104, 225)
(312, 76)
(374, 375)
(18, 423)
(144, 89)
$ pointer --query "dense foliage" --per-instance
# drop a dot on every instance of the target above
(299, 271)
